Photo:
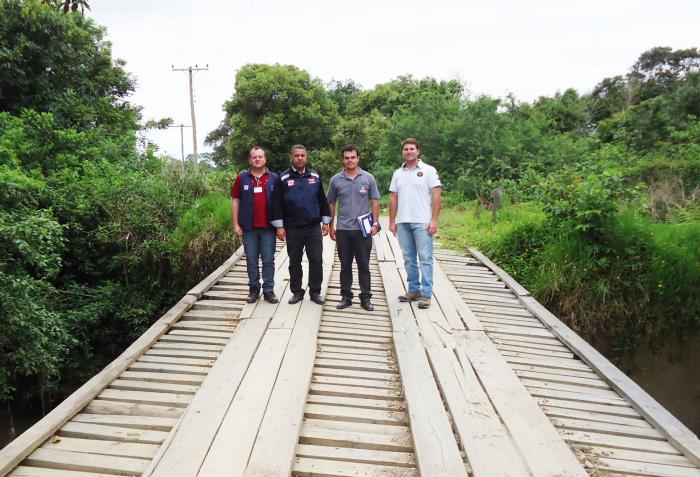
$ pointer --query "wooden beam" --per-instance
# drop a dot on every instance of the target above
(273, 450)
(510, 282)
(25, 444)
(435, 445)
(544, 451)
(674, 430)
(192, 437)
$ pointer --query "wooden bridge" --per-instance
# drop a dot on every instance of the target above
(486, 382)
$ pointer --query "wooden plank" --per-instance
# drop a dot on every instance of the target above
(594, 451)
(588, 407)
(644, 468)
(313, 435)
(26, 471)
(607, 428)
(243, 418)
(355, 391)
(217, 274)
(485, 441)
(458, 314)
(168, 368)
(90, 446)
(80, 430)
(389, 378)
(211, 315)
(360, 427)
(618, 442)
(677, 433)
(382, 247)
(59, 459)
(175, 378)
(365, 403)
(539, 443)
(553, 412)
(185, 452)
(177, 353)
(12, 454)
(129, 385)
(343, 413)
(517, 288)
(273, 450)
(304, 466)
(363, 456)
(186, 341)
(435, 446)
(136, 422)
(147, 358)
(98, 406)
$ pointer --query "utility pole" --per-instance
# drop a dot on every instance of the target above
(189, 69)
(182, 142)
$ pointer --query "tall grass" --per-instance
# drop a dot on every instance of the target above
(204, 237)
(645, 281)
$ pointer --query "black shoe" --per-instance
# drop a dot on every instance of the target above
(317, 298)
(367, 305)
(345, 302)
(270, 297)
(296, 298)
(253, 294)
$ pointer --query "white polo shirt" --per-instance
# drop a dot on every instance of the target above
(414, 190)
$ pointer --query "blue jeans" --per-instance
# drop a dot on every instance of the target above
(415, 240)
(260, 243)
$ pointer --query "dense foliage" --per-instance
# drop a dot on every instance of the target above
(89, 256)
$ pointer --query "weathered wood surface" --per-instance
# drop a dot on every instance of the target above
(485, 381)
(591, 403)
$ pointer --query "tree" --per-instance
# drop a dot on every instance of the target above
(62, 64)
(275, 107)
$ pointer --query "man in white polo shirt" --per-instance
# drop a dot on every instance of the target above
(414, 207)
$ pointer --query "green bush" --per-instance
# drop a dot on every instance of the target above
(204, 237)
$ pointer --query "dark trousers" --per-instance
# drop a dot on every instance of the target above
(299, 238)
(352, 245)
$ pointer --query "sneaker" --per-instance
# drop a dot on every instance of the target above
(424, 302)
(317, 298)
(270, 297)
(410, 296)
(367, 305)
(253, 294)
(345, 302)
(296, 298)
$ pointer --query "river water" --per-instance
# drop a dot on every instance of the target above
(671, 375)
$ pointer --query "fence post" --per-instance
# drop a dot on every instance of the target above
(496, 204)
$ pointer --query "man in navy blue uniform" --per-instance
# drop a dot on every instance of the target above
(299, 206)
(251, 200)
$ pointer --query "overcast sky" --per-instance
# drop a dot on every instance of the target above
(526, 47)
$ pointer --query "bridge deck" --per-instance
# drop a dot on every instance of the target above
(485, 382)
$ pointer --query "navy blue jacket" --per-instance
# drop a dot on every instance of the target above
(299, 200)
(245, 209)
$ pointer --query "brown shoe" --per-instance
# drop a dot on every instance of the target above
(424, 302)
(410, 296)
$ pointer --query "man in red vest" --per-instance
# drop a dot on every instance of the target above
(251, 196)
